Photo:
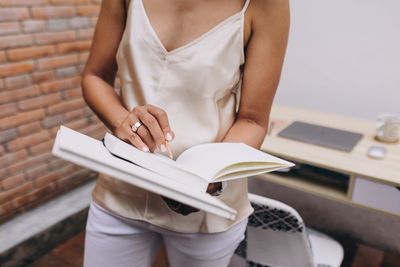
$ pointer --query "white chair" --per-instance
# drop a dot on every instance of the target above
(277, 237)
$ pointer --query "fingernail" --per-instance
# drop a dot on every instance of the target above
(145, 149)
(163, 148)
(168, 137)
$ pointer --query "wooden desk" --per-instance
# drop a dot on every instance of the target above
(372, 183)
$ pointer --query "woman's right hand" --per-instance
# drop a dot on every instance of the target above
(153, 132)
(150, 135)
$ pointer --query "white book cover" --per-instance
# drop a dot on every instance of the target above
(88, 152)
(184, 180)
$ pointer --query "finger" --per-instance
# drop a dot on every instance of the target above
(135, 140)
(146, 137)
(162, 118)
(152, 125)
(213, 188)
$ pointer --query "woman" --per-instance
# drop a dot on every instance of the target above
(182, 65)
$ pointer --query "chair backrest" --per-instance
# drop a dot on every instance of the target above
(275, 236)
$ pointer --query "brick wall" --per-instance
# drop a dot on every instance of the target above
(43, 48)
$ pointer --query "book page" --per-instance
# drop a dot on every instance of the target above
(155, 162)
(216, 160)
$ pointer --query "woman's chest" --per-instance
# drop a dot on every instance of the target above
(179, 22)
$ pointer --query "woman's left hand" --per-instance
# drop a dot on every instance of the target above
(212, 189)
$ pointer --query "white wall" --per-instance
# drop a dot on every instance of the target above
(343, 57)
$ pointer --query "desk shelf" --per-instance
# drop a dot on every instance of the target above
(318, 188)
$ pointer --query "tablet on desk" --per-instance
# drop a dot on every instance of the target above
(320, 135)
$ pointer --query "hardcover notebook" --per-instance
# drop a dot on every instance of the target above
(183, 180)
(320, 135)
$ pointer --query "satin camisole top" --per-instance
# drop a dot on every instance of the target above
(197, 85)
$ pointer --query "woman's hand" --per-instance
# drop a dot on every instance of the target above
(183, 209)
(151, 134)
(214, 189)
(179, 207)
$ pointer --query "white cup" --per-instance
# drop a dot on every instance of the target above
(388, 127)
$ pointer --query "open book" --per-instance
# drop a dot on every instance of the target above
(184, 180)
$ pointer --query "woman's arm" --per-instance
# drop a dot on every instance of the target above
(98, 81)
(265, 53)
(97, 85)
(100, 71)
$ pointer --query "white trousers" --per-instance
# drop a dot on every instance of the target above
(116, 241)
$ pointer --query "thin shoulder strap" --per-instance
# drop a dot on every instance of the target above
(245, 6)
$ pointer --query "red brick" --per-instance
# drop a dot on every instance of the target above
(88, 111)
(8, 109)
(83, 57)
(89, 10)
(7, 195)
(21, 118)
(9, 28)
(51, 121)
(53, 130)
(36, 171)
(77, 124)
(59, 61)
(15, 41)
(19, 81)
(81, 67)
(56, 164)
(30, 52)
(65, 72)
(34, 195)
(86, 33)
(75, 178)
(10, 158)
(43, 76)
(27, 141)
(74, 114)
(3, 172)
(42, 147)
(5, 208)
(10, 69)
(55, 37)
(8, 135)
(28, 163)
(74, 46)
(52, 12)
(73, 93)
(29, 128)
(33, 25)
(47, 178)
(63, 84)
(2, 56)
(65, 106)
(60, 2)
(22, 2)
(13, 14)
(94, 130)
(39, 102)
(93, 21)
(13, 181)
(13, 95)
(54, 175)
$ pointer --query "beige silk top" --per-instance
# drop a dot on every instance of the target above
(196, 84)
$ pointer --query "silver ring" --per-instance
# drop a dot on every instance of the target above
(136, 126)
